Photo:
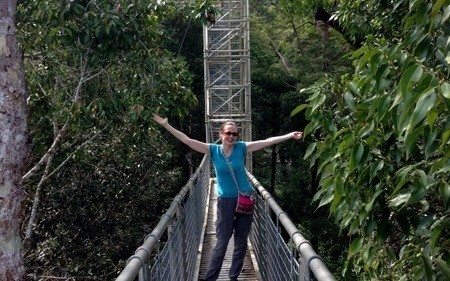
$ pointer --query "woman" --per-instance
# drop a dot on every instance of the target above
(230, 154)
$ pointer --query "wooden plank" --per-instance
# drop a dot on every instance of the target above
(248, 272)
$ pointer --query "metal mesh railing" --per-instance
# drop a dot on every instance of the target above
(276, 260)
(177, 260)
(183, 223)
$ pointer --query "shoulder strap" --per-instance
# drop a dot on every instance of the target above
(231, 169)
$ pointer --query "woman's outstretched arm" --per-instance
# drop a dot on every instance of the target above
(193, 144)
(257, 145)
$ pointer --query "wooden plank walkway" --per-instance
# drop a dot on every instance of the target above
(249, 271)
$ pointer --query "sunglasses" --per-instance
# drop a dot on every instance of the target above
(228, 133)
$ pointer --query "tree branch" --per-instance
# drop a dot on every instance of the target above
(78, 148)
(46, 175)
(37, 199)
(281, 57)
(50, 152)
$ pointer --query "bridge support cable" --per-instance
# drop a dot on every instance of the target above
(182, 223)
(226, 50)
(275, 259)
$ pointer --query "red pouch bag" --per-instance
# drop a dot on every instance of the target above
(245, 204)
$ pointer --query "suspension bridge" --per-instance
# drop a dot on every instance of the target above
(179, 247)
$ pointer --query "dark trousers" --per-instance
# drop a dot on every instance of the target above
(227, 222)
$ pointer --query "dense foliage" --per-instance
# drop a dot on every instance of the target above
(382, 141)
(96, 71)
(288, 54)
(377, 131)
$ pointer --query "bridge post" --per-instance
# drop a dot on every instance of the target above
(144, 273)
(306, 276)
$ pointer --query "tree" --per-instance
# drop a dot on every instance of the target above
(13, 146)
(115, 71)
(96, 71)
(382, 143)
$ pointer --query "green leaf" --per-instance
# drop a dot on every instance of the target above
(391, 253)
(437, 6)
(401, 198)
(402, 177)
(446, 14)
(380, 75)
(354, 87)
(429, 134)
(444, 139)
(315, 91)
(423, 227)
(366, 130)
(310, 150)
(445, 88)
(444, 266)
(355, 246)
(383, 107)
(435, 236)
(445, 193)
(359, 153)
(432, 116)
(354, 226)
(413, 4)
(364, 60)
(298, 109)
(412, 74)
(360, 52)
(370, 226)
(411, 141)
(418, 193)
(427, 82)
(428, 267)
(375, 167)
(348, 97)
(337, 199)
(327, 198)
(423, 105)
(369, 205)
(422, 46)
(374, 60)
(317, 102)
(309, 90)
(423, 178)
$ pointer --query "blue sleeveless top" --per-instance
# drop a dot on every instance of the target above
(226, 186)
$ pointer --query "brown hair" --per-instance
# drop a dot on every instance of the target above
(226, 124)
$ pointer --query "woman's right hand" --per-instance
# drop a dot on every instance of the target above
(161, 121)
(192, 143)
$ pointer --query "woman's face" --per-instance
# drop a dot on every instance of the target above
(229, 134)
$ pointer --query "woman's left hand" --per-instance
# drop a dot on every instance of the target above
(297, 135)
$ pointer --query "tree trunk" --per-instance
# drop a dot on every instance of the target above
(323, 16)
(13, 146)
(323, 28)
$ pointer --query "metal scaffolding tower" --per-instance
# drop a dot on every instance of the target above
(226, 46)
